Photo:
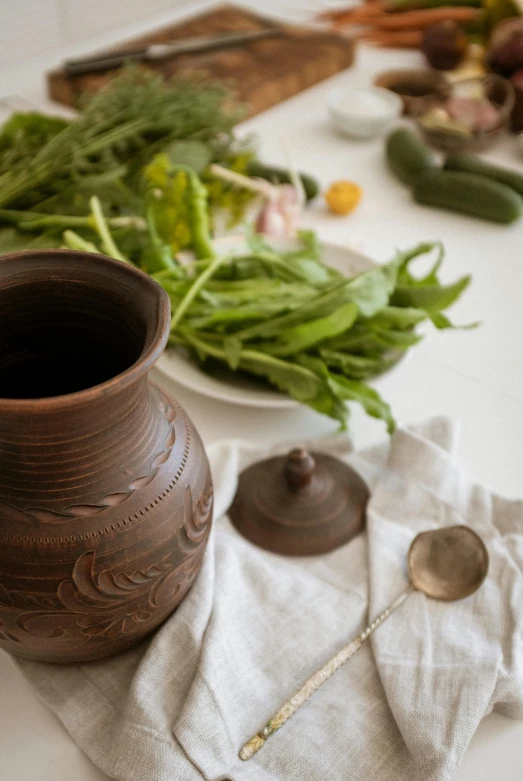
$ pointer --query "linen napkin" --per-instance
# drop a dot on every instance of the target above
(255, 625)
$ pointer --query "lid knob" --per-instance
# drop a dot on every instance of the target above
(299, 468)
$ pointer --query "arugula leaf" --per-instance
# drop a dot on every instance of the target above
(232, 348)
(307, 259)
(260, 290)
(299, 338)
(367, 338)
(356, 367)
(388, 337)
(344, 389)
(256, 242)
(311, 244)
(404, 275)
(308, 268)
(301, 383)
(303, 263)
(432, 298)
(399, 317)
(426, 293)
(230, 317)
(298, 381)
(441, 322)
(321, 304)
(368, 397)
(327, 401)
(370, 291)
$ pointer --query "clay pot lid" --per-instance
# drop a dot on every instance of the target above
(300, 504)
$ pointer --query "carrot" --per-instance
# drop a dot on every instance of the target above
(400, 39)
(364, 15)
(407, 5)
(396, 7)
(417, 20)
(342, 16)
(334, 14)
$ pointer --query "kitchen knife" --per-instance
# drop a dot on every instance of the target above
(160, 51)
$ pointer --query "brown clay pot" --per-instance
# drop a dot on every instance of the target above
(105, 489)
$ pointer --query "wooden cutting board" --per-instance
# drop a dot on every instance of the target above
(262, 73)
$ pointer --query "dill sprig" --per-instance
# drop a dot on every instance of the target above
(123, 124)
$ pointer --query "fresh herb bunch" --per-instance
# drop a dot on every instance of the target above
(282, 316)
(53, 166)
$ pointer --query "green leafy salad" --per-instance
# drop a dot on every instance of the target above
(282, 316)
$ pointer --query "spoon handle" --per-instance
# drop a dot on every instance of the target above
(315, 681)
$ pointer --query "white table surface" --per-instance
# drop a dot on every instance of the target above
(475, 376)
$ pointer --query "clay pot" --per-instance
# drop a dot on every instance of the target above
(105, 489)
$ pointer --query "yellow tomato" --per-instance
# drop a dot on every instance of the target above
(342, 197)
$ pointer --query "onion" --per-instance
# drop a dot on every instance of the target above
(280, 214)
(477, 114)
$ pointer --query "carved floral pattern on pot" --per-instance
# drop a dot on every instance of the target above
(110, 604)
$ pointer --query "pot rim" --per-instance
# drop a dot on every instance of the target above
(148, 357)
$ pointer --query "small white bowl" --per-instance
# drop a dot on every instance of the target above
(363, 112)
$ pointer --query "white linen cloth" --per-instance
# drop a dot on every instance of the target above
(256, 625)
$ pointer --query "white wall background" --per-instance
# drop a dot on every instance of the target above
(31, 28)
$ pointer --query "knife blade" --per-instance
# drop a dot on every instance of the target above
(160, 51)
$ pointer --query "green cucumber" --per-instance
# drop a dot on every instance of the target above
(407, 156)
(474, 165)
(469, 194)
(282, 176)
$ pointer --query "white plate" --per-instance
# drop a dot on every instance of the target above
(179, 367)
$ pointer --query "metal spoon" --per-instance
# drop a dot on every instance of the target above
(445, 564)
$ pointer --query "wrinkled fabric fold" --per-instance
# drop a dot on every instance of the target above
(255, 625)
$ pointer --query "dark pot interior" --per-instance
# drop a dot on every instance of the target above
(60, 337)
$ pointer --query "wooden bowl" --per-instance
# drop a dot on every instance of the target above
(414, 83)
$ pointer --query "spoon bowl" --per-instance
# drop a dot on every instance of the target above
(448, 564)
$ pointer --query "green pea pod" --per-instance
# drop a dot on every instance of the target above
(199, 219)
